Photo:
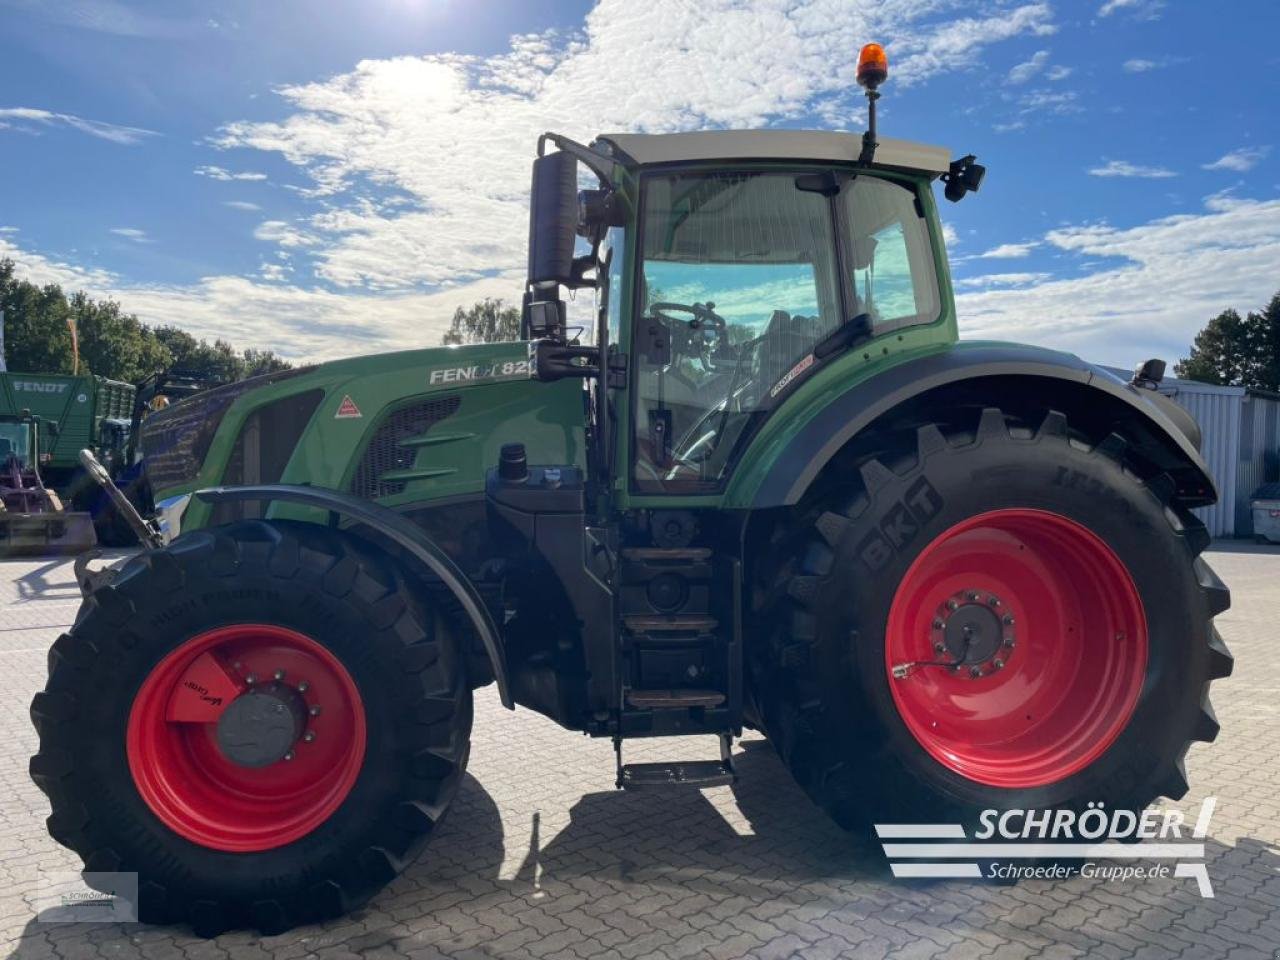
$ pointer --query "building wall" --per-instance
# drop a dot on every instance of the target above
(1241, 447)
(1259, 454)
(1218, 413)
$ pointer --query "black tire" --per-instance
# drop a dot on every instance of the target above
(819, 679)
(325, 584)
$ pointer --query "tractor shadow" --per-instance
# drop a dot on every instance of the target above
(627, 867)
(55, 578)
(52, 580)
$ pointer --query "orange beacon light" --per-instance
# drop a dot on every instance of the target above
(873, 66)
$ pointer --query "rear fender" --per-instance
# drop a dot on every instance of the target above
(781, 477)
(410, 538)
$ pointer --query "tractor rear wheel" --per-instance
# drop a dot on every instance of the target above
(261, 721)
(1000, 617)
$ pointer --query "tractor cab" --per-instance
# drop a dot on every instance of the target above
(730, 269)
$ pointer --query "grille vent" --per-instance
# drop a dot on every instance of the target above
(384, 452)
(262, 449)
(176, 440)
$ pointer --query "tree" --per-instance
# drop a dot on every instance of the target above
(485, 322)
(113, 343)
(1236, 351)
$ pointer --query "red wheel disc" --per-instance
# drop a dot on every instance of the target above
(183, 774)
(1056, 622)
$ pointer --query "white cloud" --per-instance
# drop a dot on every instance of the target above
(1003, 280)
(1059, 72)
(95, 128)
(240, 205)
(1054, 102)
(298, 323)
(221, 173)
(1123, 168)
(110, 17)
(131, 233)
(1009, 251)
(419, 166)
(1143, 9)
(1029, 68)
(949, 235)
(453, 135)
(1242, 160)
(1138, 65)
(1167, 278)
(278, 231)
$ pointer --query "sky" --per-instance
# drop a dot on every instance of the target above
(328, 177)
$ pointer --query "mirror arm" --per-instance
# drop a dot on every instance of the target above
(597, 163)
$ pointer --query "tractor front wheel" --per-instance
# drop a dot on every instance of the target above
(1003, 615)
(261, 721)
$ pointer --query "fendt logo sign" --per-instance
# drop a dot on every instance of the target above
(35, 386)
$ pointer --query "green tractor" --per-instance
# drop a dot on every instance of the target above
(769, 491)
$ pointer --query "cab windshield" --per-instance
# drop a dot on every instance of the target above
(742, 276)
(15, 441)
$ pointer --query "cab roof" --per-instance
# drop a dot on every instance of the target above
(829, 146)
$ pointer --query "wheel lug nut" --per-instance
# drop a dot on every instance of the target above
(303, 686)
(975, 672)
(994, 601)
(289, 755)
(937, 623)
(951, 605)
(997, 663)
(1009, 643)
(279, 674)
(251, 679)
(309, 736)
(1008, 620)
(973, 595)
(939, 647)
(315, 710)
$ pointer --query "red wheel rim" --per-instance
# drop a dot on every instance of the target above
(194, 788)
(1057, 624)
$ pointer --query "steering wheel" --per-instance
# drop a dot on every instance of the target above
(690, 341)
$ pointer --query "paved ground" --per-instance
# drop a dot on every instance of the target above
(540, 857)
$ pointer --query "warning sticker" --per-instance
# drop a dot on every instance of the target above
(347, 409)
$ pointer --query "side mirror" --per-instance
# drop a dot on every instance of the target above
(964, 176)
(553, 218)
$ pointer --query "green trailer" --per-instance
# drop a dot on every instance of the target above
(77, 404)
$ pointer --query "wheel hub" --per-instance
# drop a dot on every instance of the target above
(972, 631)
(261, 725)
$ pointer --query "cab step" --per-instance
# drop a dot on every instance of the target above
(667, 554)
(670, 624)
(684, 773)
(677, 773)
(673, 699)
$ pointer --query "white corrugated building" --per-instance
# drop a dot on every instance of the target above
(1241, 446)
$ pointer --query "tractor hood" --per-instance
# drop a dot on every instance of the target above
(395, 427)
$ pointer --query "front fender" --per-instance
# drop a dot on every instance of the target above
(405, 535)
(781, 465)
